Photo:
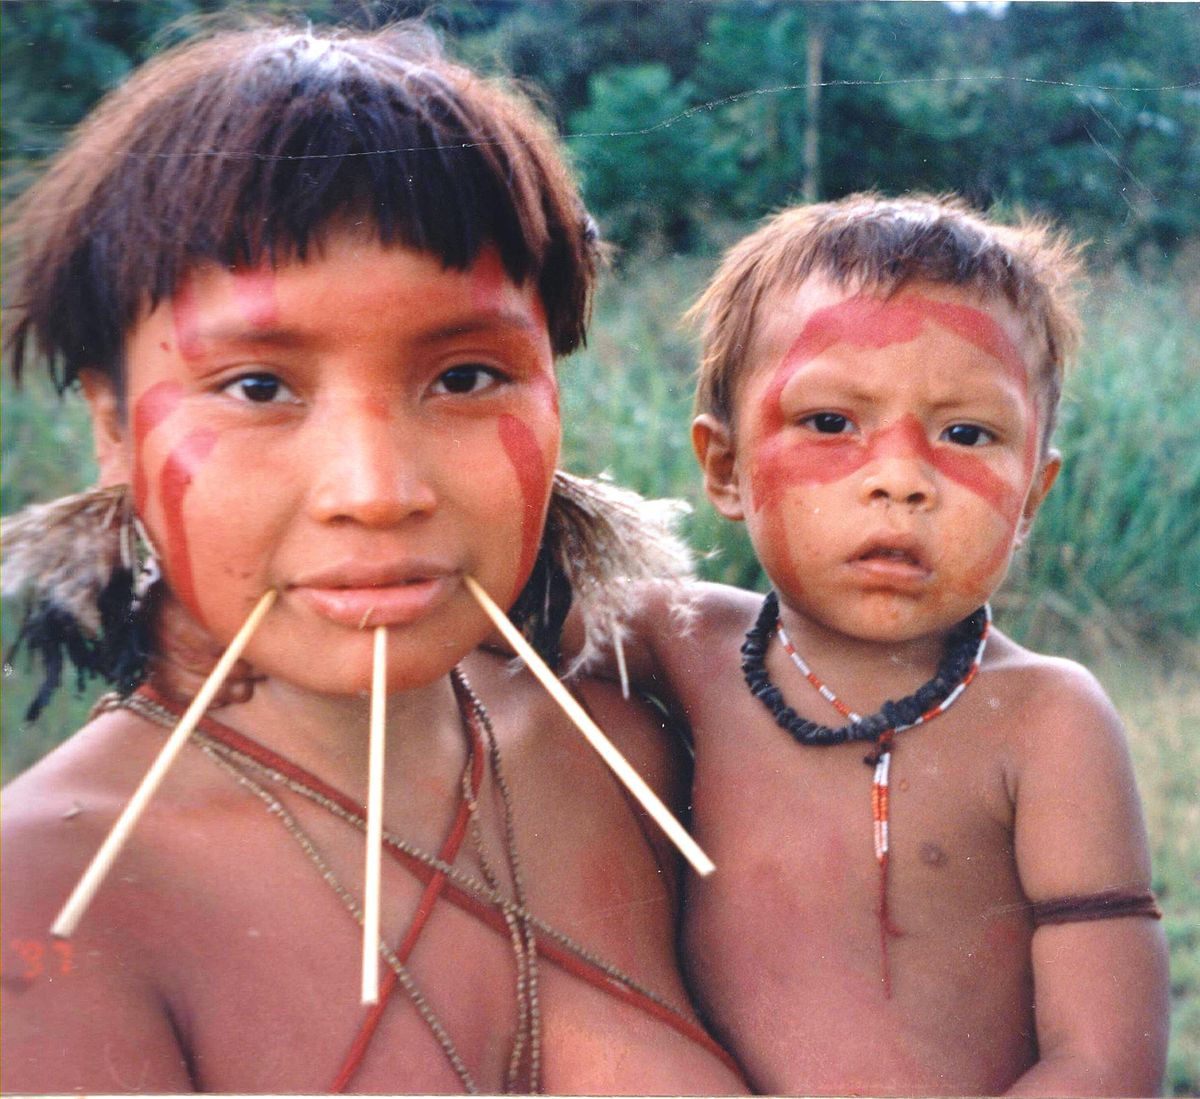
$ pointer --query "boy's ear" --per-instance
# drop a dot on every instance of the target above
(713, 442)
(1043, 481)
(108, 428)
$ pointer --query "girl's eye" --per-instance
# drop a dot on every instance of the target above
(968, 435)
(467, 378)
(829, 423)
(260, 389)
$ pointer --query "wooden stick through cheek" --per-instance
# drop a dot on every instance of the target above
(371, 890)
(85, 890)
(609, 752)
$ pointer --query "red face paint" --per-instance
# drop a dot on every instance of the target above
(254, 291)
(184, 315)
(488, 282)
(521, 446)
(177, 474)
(870, 323)
(152, 407)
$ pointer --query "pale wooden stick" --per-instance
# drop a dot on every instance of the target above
(609, 752)
(102, 862)
(370, 950)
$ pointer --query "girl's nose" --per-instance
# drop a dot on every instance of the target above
(371, 469)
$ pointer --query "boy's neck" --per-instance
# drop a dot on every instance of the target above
(863, 672)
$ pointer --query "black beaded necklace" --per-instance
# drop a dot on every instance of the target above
(962, 649)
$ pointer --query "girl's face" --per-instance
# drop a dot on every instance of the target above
(358, 432)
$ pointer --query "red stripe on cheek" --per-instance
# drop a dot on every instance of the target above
(254, 291)
(781, 463)
(151, 408)
(978, 477)
(177, 474)
(185, 315)
(521, 446)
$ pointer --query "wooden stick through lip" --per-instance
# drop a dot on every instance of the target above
(93, 876)
(609, 752)
(374, 850)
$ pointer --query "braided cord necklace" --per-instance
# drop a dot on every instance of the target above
(566, 952)
(959, 665)
(526, 1050)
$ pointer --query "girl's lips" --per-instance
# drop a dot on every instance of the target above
(364, 607)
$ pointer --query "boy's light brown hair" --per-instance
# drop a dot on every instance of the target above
(878, 245)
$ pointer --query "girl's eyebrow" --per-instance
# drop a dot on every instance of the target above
(488, 322)
(241, 332)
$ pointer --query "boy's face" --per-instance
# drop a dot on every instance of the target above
(358, 431)
(886, 455)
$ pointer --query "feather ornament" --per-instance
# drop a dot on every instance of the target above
(600, 542)
(75, 561)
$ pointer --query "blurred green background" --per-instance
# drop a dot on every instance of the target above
(688, 121)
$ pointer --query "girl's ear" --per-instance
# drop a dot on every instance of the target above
(713, 442)
(108, 428)
(1043, 481)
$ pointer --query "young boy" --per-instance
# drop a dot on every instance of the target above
(967, 909)
(313, 286)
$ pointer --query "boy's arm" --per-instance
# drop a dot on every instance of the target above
(1100, 986)
(80, 1013)
(670, 623)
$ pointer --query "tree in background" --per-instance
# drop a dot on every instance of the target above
(707, 112)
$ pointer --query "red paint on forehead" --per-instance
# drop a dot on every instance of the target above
(488, 281)
(150, 409)
(871, 323)
(254, 291)
(177, 473)
(185, 315)
(521, 446)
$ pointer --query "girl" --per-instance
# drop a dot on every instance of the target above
(313, 286)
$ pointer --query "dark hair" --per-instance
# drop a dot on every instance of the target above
(246, 146)
(871, 243)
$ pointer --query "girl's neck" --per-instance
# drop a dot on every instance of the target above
(328, 734)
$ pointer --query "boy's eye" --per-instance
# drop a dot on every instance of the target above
(260, 389)
(829, 423)
(968, 435)
(467, 378)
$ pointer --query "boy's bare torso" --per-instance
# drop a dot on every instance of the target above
(784, 941)
(216, 958)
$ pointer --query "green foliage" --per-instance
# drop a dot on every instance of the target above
(647, 162)
(1116, 548)
(1161, 707)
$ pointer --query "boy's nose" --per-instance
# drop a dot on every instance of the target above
(369, 472)
(899, 481)
(901, 467)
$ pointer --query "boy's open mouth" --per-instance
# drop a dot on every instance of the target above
(892, 557)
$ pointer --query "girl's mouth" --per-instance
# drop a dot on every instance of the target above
(363, 599)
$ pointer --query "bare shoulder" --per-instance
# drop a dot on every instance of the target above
(709, 627)
(99, 988)
(1058, 705)
(1078, 822)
